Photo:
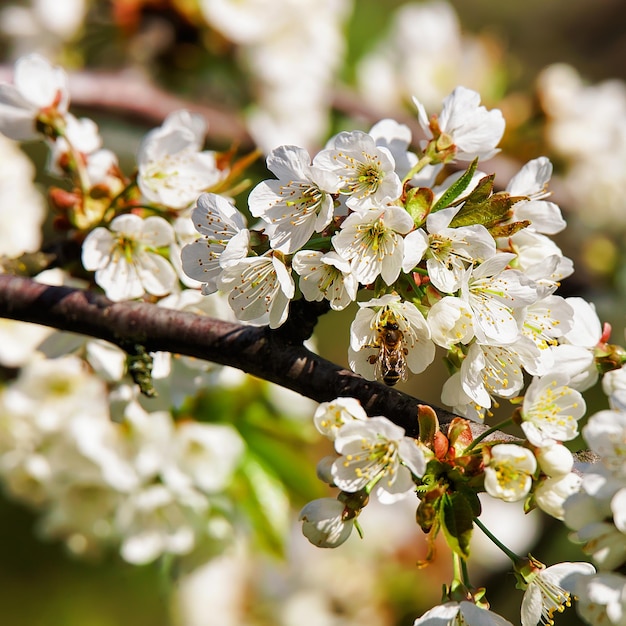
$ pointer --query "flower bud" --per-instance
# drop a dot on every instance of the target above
(555, 460)
(324, 524)
(551, 493)
(323, 469)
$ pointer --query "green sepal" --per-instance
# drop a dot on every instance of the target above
(457, 522)
(418, 203)
(428, 425)
(457, 188)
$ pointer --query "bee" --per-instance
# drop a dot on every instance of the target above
(390, 360)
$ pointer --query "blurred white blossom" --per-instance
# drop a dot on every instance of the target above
(425, 53)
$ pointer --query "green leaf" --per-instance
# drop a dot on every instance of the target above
(471, 498)
(285, 459)
(484, 207)
(418, 203)
(263, 498)
(457, 188)
(457, 522)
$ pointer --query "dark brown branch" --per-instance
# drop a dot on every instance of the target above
(259, 351)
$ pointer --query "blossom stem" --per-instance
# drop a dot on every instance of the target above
(489, 431)
(77, 163)
(418, 167)
(514, 557)
(358, 528)
(123, 194)
(461, 574)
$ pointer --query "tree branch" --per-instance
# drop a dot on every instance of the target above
(267, 354)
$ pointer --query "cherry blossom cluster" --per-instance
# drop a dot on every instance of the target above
(446, 472)
(425, 51)
(597, 512)
(416, 240)
(145, 485)
(592, 174)
(282, 45)
(74, 428)
(433, 261)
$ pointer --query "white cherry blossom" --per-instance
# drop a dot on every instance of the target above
(299, 203)
(605, 434)
(544, 322)
(20, 231)
(49, 392)
(377, 452)
(575, 352)
(425, 51)
(493, 292)
(550, 494)
(329, 417)
(508, 473)
(474, 131)
(555, 460)
(614, 386)
(540, 258)
(82, 134)
(489, 371)
(371, 240)
(366, 171)
(259, 290)
(173, 169)
(396, 138)
(586, 330)
(450, 322)
(415, 247)
(602, 598)
(208, 453)
(618, 508)
(324, 522)
(460, 614)
(551, 410)
(592, 504)
(365, 335)
(224, 239)
(452, 250)
(125, 257)
(157, 520)
(83, 527)
(550, 591)
(325, 275)
(532, 181)
(604, 543)
(38, 87)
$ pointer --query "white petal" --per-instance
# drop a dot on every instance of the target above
(156, 274)
(97, 248)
